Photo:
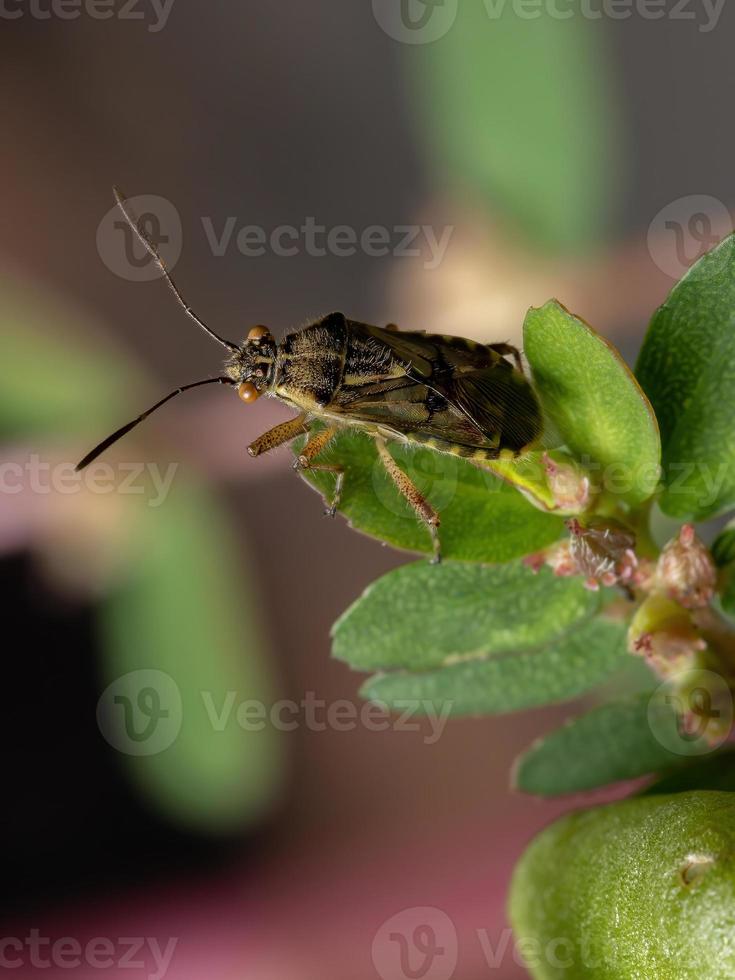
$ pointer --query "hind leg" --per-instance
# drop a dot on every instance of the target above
(508, 350)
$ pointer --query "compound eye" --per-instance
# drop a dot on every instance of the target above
(258, 333)
(248, 392)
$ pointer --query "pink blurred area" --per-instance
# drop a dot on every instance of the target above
(272, 114)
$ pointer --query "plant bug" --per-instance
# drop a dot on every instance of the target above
(446, 393)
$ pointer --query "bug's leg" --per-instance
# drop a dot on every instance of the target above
(413, 495)
(508, 350)
(314, 446)
(278, 435)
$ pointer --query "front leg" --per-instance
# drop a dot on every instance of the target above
(318, 442)
(279, 434)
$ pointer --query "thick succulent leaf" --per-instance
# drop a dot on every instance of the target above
(723, 547)
(482, 518)
(182, 633)
(723, 552)
(594, 401)
(579, 660)
(614, 742)
(687, 367)
(542, 148)
(422, 616)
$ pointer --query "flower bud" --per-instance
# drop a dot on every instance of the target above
(686, 571)
(569, 484)
(663, 633)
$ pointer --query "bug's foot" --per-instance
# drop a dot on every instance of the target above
(437, 559)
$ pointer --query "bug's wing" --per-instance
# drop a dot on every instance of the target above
(478, 398)
(408, 408)
(500, 401)
(431, 354)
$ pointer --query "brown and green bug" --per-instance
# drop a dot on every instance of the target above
(446, 393)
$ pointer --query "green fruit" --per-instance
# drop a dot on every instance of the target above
(638, 890)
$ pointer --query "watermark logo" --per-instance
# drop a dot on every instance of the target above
(119, 248)
(38, 476)
(148, 955)
(416, 943)
(691, 713)
(154, 12)
(415, 21)
(141, 712)
(423, 21)
(685, 230)
(316, 240)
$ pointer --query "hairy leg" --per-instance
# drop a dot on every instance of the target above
(316, 444)
(279, 434)
(413, 495)
(508, 350)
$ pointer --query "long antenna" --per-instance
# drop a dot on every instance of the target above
(155, 255)
(106, 443)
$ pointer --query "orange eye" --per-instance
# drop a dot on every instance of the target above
(248, 392)
(258, 333)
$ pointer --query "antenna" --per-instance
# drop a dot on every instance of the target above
(155, 255)
(110, 440)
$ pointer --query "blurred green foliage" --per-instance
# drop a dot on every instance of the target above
(520, 113)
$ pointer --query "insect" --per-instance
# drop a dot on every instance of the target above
(446, 393)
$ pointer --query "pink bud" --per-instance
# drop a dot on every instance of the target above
(686, 571)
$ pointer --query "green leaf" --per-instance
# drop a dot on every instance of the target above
(642, 889)
(687, 367)
(594, 401)
(620, 740)
(519, 112)
(567, 668)
(422, 616)
(187, 611)
(723, 547)
(723, 552)
(482, 519)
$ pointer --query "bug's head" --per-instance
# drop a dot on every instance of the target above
(251, 367)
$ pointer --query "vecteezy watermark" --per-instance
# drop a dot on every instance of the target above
(339, 241)
(685, 230)
(691, 713)
(415, 21)
(38, 952)
(422, 942)
(417, 942)
(37, 476)
(141, 713)
(119, 248)
(159, 221)
(154, 12)
(706, 13)
(424, 21)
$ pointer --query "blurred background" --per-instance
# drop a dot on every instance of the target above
(191, 789)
